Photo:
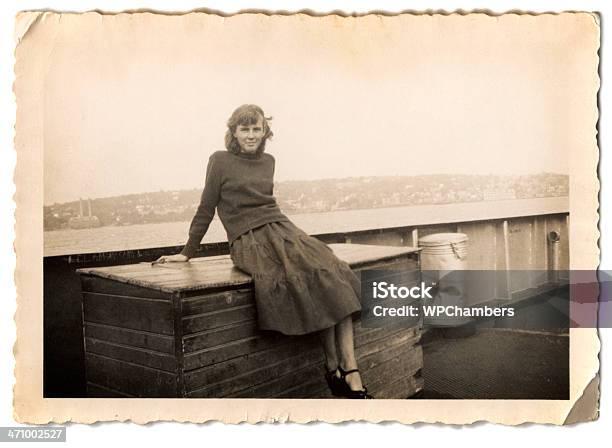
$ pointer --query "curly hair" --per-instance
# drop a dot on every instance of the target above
(247, 114)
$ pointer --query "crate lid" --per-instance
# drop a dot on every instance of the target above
(220, 272)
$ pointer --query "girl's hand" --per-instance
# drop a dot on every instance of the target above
(171, 258)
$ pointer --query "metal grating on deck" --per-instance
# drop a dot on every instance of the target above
(497, 364)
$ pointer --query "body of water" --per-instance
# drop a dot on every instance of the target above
(142, 236)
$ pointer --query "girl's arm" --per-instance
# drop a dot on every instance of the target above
(206, 209)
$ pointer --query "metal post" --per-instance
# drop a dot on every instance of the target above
(507, 257)
(554, 237)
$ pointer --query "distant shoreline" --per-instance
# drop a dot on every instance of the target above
(306, 212)
(142, 236)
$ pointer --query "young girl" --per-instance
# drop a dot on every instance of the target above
(300, 285)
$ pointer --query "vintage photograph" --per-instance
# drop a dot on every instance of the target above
(217, 193)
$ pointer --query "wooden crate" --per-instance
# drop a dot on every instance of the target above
(189, 330)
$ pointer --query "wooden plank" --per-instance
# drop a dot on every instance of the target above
(263, 374)
(323, 392)
(114, 287)
(143, 357)
(218, 336)
(216, 319)
(401, 371)
(208, 259)
(373, 360)
(133, 338)
(403, 364)
(205, 292)
(234, 367)
(361, 254)
(214, 302)
(363, 336)
(315, 386)
(161, 276)
(382, 359)
(220, 271)
(124, 268)
(178, 344)
(403, 388)
(191, 276)
(405, 338)
(97, 391)
(370, 355)
(366, 336)
(224, 343)
(135, 269)
(136, 313)
(232, 349)
(208, 280)
(278, 385)
(205, 281)
(130, 378)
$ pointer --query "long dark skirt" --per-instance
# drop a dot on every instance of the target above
(300, 285)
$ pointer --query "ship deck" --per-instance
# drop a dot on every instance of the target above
(496, 364)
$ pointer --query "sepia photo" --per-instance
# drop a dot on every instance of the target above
(211, 209)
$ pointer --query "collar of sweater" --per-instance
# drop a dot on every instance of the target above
(245, 155)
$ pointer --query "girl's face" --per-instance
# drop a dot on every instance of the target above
(249, 136)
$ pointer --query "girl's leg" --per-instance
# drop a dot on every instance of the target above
(328, 341)
(344, 335)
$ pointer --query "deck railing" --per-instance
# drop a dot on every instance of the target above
(517, 243)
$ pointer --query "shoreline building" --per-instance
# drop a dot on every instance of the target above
(84, 222)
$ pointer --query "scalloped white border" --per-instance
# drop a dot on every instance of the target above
(29, 407)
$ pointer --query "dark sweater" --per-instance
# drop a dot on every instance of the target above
(240, 187)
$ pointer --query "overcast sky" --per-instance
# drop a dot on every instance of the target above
(133, 107)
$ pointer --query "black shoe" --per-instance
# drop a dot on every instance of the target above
(350, 393)
(335, 384)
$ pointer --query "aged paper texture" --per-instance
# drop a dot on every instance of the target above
(63, 60)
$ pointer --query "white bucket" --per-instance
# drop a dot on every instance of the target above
(444, 252)
(441, 255)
